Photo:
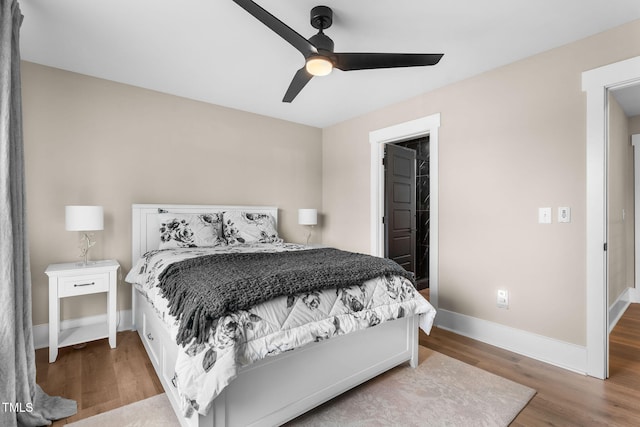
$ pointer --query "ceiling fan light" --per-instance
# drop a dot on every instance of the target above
(319, 66)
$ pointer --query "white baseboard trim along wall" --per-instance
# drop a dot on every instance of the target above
(559, 353)
(565, 355)
(617, 309)
(41, 332)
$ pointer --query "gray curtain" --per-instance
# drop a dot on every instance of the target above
(22, 401)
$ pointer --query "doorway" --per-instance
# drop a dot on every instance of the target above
(416, 230)
(428, 125)
(622, 240)
(623, 120)
(596, 84)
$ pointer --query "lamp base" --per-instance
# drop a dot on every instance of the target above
(309, 234)
(86, 242)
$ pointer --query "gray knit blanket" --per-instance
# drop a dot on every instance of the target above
(202, 289)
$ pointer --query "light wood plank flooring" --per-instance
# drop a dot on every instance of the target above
(563, 398)
(100, 378)
(97, 377)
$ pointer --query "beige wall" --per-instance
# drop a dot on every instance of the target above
(620, 201)
(634, 125)
(91, 141)
(511, 140)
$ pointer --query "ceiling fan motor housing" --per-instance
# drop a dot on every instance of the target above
(322, 42)
(321, 17)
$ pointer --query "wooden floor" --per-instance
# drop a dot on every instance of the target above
(563, 398)
(100, 378)
(97, 377)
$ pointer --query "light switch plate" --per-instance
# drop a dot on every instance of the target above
(544, 215)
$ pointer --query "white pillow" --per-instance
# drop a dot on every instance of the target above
(190, 230)
(248, 227)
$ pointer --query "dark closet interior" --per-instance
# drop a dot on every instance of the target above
(421, 147)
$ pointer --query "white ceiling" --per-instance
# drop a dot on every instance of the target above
(214, 51)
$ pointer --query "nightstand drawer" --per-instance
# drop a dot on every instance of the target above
(82, 285)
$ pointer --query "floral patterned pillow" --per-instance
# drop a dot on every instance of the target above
(247, 227)
(190, 230)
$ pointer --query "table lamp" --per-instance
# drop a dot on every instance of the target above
(308, 217)
(84, 218)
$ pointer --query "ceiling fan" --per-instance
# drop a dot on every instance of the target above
(318, 50)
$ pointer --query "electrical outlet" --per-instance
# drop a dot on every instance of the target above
(503, 298)
(564, 214)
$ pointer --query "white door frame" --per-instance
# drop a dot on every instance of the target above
(635, 142)
(596, 83)
(427, 125)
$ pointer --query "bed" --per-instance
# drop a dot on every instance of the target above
(277, 388)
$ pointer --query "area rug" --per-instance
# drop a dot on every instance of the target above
(155, 411)
(441, 391)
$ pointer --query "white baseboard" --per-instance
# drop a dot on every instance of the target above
(617, 309)
(555, 352)
(559, 353)
(41, 332)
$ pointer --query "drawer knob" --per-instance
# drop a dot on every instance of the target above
(149, 337)
(84, 284)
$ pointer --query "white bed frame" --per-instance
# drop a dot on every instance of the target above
(280, 388)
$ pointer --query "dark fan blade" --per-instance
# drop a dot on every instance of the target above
(365, 61)
(279, 27)
(299, 81)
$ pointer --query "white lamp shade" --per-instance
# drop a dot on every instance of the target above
(307, 216)
(84, 218)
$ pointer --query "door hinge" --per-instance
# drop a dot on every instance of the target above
(605, 246)
(383, 220)
(384, 161)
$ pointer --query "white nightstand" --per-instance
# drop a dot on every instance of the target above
(73, 279)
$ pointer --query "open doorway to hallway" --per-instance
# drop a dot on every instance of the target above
(623, 219)
(596, 83)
